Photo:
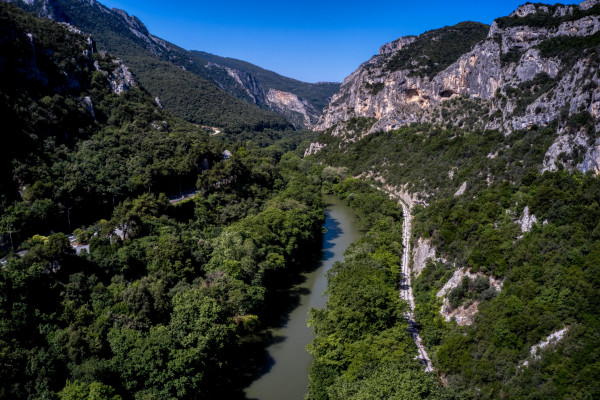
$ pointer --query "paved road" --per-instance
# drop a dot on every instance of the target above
(182, 196)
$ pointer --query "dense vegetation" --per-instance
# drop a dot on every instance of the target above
(154, 306)
(75, 148)
(550, 281)
(433, 51)
(157, 307)
(362, 348)
(435, 161)
(570, 49)
(187, 92)
(158, 314)
(548, 274)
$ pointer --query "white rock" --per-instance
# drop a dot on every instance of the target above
(461, 189)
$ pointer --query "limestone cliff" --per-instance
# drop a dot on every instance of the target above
(297, 110)
(537, 66)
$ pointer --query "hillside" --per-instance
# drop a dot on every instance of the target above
(163, 68)
(490, 137)
(84, 133)
(155, 300)
(188, 83)
(318, 94)
(469, 155)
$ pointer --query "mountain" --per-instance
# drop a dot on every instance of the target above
(185, 81)
(161, 67)
(516, 74)
(489, 137)
(161, 304)
(317, 94)
(83, 133)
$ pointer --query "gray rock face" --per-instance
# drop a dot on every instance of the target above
(527, 220)
(120, 78)
(314, 148)
(396, 45)
(461, 189)
(247, 83)
(422, 252)
(89, 106)
(508, 58)
(296, 110)
(465, 314)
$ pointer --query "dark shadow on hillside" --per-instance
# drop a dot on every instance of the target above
(252, 359)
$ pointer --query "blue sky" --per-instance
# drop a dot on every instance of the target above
(307, 40)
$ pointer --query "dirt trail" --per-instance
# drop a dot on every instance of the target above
(406, 292)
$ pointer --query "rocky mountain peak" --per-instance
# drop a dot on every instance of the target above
(537, 66)
(132, 21)
(396, 45)
(587, 4)
(528, 9)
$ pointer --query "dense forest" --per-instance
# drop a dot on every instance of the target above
(548, 272)
(363, 348)
(156, 306)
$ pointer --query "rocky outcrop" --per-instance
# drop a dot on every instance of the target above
(461, 189)
(464, 314)
(314, 148)
(423, 252)
(120, 78)
(396, 45)
(87, 103)
(481, 84)
(245, 81)
(297, 110)
(574, 149)
(551, 340)
(527, 220)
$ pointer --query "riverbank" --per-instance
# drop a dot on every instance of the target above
(285, 367)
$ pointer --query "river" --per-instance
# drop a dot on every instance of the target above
(286, 375)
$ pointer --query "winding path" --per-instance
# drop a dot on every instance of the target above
(406, 292)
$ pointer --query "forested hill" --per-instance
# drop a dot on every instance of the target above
(156, 303)
(83, 134)
(163, 68)
(191, 84)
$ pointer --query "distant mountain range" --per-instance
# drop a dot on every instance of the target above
(200, 87)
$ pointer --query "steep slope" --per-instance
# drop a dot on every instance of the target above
(83, 134)
(494, 142)
(317, 94)
(168, 70)
(298, 111)
(537, 66)
(164, 69)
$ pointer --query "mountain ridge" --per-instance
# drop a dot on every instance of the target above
(175, 75)
(520, 54)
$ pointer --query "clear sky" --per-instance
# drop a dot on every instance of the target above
(309, 40)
